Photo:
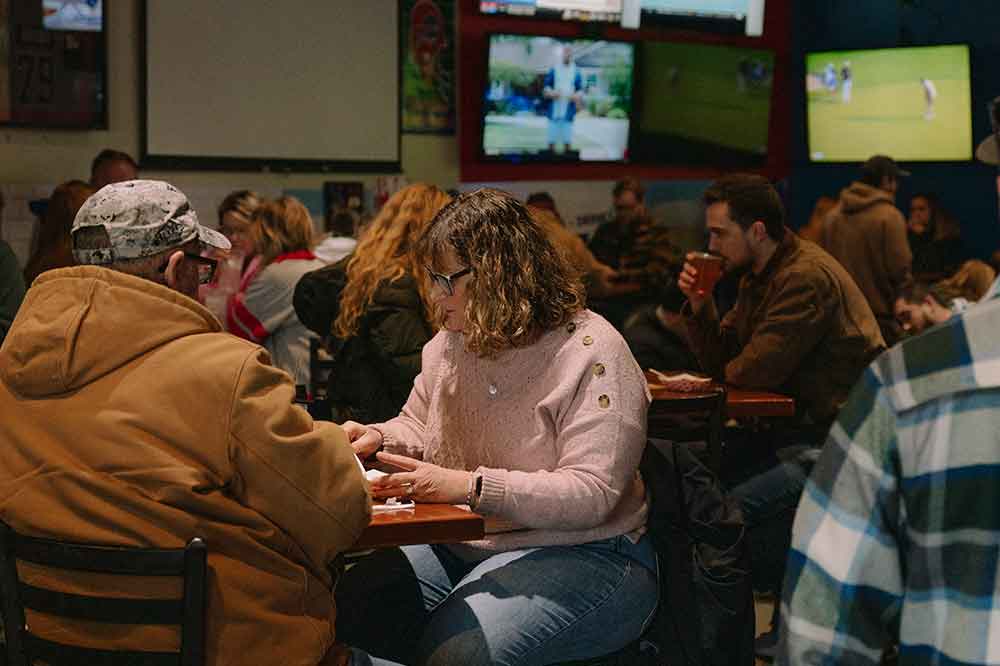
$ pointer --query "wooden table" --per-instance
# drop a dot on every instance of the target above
(424, 523)
(740, 403)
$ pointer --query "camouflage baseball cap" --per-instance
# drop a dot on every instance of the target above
(142, 218)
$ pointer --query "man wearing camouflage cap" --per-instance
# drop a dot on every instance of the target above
(139, 422)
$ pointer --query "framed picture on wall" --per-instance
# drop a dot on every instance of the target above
(53, 64)
(427, 40)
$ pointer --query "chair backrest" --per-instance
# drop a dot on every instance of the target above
(320, 365)
(188, 612)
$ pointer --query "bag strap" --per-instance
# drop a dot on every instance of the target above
(681, 501)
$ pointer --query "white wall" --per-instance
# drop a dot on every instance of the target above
(45, 156)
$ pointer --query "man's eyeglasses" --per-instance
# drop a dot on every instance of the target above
(206, 266)
(446, 282)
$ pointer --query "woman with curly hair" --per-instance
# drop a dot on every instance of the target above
(530, 409)
(281, 235)
(372, 306)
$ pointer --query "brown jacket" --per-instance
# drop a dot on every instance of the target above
(867, 234)
(801, 327)
(129, 418)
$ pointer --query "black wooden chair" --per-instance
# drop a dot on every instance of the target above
(697, 417)
(23, 648)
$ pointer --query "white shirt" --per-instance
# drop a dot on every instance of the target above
(563, 83)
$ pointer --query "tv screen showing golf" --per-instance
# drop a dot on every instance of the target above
(702, 104)
(550, 99)
(913, 104)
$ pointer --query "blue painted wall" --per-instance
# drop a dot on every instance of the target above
(967, 189)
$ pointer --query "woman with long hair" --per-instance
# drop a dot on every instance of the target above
(235, 212)
(972, 280)
(373, 308)
(281, 235)
(935, 238)
(54, 246)
(530, 409)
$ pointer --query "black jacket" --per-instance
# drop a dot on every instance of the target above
(373, 371)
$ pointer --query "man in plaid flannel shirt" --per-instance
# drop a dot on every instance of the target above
(897, 536)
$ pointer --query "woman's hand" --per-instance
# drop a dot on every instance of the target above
(365, 440)
(421, 481)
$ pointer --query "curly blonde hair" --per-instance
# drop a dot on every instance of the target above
(384, 253)
(280, 226)
(521, 286)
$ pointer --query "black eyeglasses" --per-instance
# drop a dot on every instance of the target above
(446, 282)
(206, 266)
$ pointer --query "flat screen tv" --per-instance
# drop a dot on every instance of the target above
(725, 16)
(702, 104)
(53, 64)
(556, 100)
(913, 104)
(606, 11)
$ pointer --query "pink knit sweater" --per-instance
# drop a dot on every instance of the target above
(556, 429)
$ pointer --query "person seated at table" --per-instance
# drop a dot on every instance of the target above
(935, 238)
(53, 248)
(530, 409)
(800, 327)
(921, 306)
(639, 247)
(234, 214)
(373, 307)
(131, 418)
(281, 233)
(600, 280)
(972, 279)
(11, 282)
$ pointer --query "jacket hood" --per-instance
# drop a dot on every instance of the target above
(78, 324)
(859, 196)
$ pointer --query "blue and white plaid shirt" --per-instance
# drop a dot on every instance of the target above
(897, 536)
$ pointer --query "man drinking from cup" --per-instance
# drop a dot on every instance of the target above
(800, 327)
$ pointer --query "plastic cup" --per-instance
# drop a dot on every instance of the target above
(709, 267)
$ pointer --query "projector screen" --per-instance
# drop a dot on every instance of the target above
(255, 84)
(912, 104)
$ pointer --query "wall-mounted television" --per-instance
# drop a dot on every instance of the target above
(53, 64)
(702, 104)
(74, 15)
(607, 11)
(913, 104)
(557, 100)
(725, 16)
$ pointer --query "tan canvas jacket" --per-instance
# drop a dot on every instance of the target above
(801, 327)
(129, 418)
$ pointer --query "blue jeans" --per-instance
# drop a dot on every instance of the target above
(560, 131)
(769, 501)
(426, 605)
